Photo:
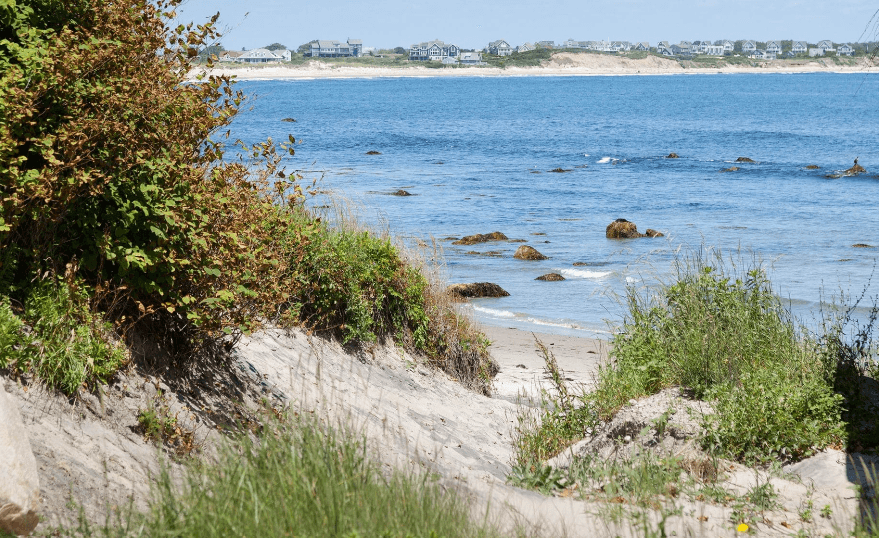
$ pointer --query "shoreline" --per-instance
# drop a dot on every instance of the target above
(561, 65)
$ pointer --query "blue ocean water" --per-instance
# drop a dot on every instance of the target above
(476, 154)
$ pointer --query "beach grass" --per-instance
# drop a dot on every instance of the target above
(298, 478)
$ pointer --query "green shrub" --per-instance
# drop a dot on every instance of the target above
(723, 332)
(11, 336)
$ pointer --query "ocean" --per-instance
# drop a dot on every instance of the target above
(477, 153)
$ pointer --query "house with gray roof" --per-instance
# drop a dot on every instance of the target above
(824, 46)
(471, 58)
(799, 47)
(499, 48)
(845, 50)
(728, 46)
(773, 47)
(326, 48)
(433, 50)
(749, 46)
(642, 46)
(525, 47)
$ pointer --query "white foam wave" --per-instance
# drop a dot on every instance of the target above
(631, 280)
(585, 154)
(605, 160)
(495, 313)
(580, 273)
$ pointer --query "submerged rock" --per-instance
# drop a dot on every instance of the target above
(559, 170)
(401, 192)
(650, 232)
(745, 160)
(622, 229)
(291, 120)
(481, 238)
(373, 152)
(730, 169)
(551, 277)
(477, 289)
(855, 170)
(862, 245)
(528, 253)
(672, 155)
(813, 167)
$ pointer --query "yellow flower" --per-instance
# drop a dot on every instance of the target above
(743, 527)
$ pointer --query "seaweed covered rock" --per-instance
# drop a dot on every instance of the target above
(813, 167)
(481, 238)
(745, 160)
(551, 277)
(476, 289)
(730, 169)
(401, 192)
(650, 232)
(526, 252)
(373, 152)
(855, 170)
(672, 155)
(622, 229)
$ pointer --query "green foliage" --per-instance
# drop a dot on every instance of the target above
(725, 334)
(68, 345)
(539, 477)
(300, 479)
(519, 59)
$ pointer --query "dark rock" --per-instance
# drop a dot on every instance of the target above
(559, 170)
(373, 152)
(291, 120)
(518, 240)
(551, 277)
(622, 229)
(477, 289)
(730, 169)
(862, 245)
(481, 238)
(653, 233)
(538, 233)
(451, 238)
(855, 170)
(672, 155)
(401, 192)
(528, 253)
(813, 167)
(745, 160)
(535, 171)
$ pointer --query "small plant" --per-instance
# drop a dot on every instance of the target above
(159, 425)
(805, 510)
(826, 511)
(539, 477)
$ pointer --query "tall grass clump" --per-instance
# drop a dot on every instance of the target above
(300, 479)
(720, 330)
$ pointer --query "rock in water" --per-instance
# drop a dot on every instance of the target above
(480, 238)
(730, 169)
(812, 167)
(373, 152)
(528, 253)
(861, 245)
(19, 482)
(401, 192)
(744, 160)
(672, 155)
(855, 170)
(290, 120)
(622, 229)
(650, 232)
(477, 289)
(550, 277)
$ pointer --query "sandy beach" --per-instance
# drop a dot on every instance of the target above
(561, 64)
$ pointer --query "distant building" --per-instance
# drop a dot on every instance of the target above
(229, 55)
(499, 48)
(433, 50)
(260, 56)
(545, 44)
(773, 47)
(799, 47)
(525, 47)
(642, 46)
(823, 48)
(714, 50)
(324, 48)
(749, 46)
(728, 46)
(471, 58)
(845, 50)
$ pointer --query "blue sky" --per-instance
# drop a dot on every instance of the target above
(473, 23)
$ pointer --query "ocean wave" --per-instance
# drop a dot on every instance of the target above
(605, 160)
(494, 312)
(631, 280)
(580, 273)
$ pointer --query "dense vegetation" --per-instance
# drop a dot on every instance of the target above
(120, 199)
(779, 392)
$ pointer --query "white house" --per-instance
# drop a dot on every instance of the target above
(799, 47)
(260, 56)
(728, 46)
(773, 47)
(432, 50)
(471, 58)
(525, 47)
(824, 46)
(845, 50)
(642, 46)
(714, 50)
(499, 48)
(328, 48)
(749, 46)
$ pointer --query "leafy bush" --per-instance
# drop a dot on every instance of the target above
(725, 334)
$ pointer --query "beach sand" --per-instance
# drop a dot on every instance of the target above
(561, 64)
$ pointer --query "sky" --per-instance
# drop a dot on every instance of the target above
(473, 23)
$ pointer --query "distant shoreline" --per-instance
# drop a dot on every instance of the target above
(561, 64)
